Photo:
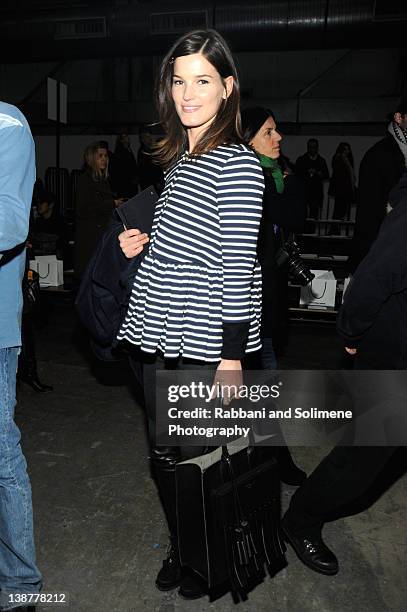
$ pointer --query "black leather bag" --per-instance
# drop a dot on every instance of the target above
(228, 513)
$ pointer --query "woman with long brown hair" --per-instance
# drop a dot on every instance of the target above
(196, 300)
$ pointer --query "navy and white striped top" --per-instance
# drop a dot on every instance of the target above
(201, 269)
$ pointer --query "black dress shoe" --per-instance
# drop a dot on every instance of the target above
(171, 574)
(191, 587)
(311, 550)
(35, 383)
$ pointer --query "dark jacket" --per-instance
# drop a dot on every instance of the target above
(94, 206)
(313, 172)
(104, 292)
(286, 210)
(107, 281)
(373, 318)
(380, 169)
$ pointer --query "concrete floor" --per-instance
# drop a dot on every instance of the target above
(99, 527)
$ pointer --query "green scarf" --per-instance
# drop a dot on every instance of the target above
(276, 172)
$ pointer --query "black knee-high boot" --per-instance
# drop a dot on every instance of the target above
(27, 360)
(163, 461)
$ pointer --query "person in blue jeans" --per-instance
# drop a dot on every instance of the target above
(18, 570)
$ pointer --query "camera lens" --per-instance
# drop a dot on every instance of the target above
(297, 268)
(300, 272)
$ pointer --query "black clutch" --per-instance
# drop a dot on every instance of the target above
(228, 512)
(138, 212)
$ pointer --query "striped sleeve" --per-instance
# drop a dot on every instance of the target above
(240, 195)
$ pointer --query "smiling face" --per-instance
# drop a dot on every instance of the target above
(198, 91)
(267, 139)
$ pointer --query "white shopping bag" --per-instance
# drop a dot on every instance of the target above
(50, 270)
(321, 291)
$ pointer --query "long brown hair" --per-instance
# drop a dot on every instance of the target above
(225, 128)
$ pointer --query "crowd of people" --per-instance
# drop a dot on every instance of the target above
(226, 205)
(160, 295)
(108, 179)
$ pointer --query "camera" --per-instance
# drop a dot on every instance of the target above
(289, 254)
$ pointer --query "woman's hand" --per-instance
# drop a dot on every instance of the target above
(229, 376)
(132, 242)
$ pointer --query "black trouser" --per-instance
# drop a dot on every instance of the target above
(345, 474)
(164, 458)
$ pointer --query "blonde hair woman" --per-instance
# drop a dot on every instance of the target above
(94, 204)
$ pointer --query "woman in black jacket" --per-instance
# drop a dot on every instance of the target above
(94, 205)
(284, 212)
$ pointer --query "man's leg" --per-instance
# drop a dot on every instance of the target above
(18, 570)
(343, 476)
